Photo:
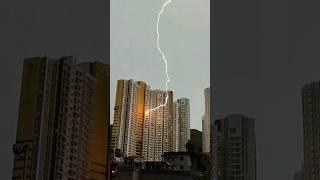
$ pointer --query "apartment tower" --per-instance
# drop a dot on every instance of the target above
(175, 141)
(129, 111)
(234, 149)
(311, 128)
(206, 122)
(100, 142)
(56, 118)
(181, 124)
(157, 128)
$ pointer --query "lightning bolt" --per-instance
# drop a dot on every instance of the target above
(163, 56)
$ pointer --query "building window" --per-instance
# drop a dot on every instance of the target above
(233, 130)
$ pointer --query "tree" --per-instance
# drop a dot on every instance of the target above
(191, 152)
(206, 166)
(190, 148)
(200, 162)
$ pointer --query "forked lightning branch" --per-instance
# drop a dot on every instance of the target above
(163, 57)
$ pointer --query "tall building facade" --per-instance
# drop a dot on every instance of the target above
(157, 128)
(311, 128)
(175, 143)
(206, 122)
(234, 149)
(127, 128)
(181, 124)
(99, 146)
(144, 134)
(31, 113)
(55, 121)
(120, 115)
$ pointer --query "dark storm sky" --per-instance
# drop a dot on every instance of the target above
(264, 51)
(38, 28)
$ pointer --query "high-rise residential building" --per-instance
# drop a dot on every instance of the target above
(31, 113)
(127, 129)
(100, 131)
(157, 128)
(120, 115)
(56, 117)
(234, 152)
(175, 141)
(206, 122)
(311, 128)
(181, 124)
(144, 134)
(141, 90)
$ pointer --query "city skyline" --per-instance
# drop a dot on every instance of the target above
(262, 53)
(144, 134)
(184, 38)
(204, 116)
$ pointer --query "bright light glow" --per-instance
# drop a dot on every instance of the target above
(163, 57)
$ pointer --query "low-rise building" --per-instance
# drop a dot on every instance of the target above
(179, 161)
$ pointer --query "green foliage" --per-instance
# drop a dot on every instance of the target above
(200, 162)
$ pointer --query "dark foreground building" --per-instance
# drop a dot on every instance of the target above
(311, 128)
(63, 121)
(234, 148)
